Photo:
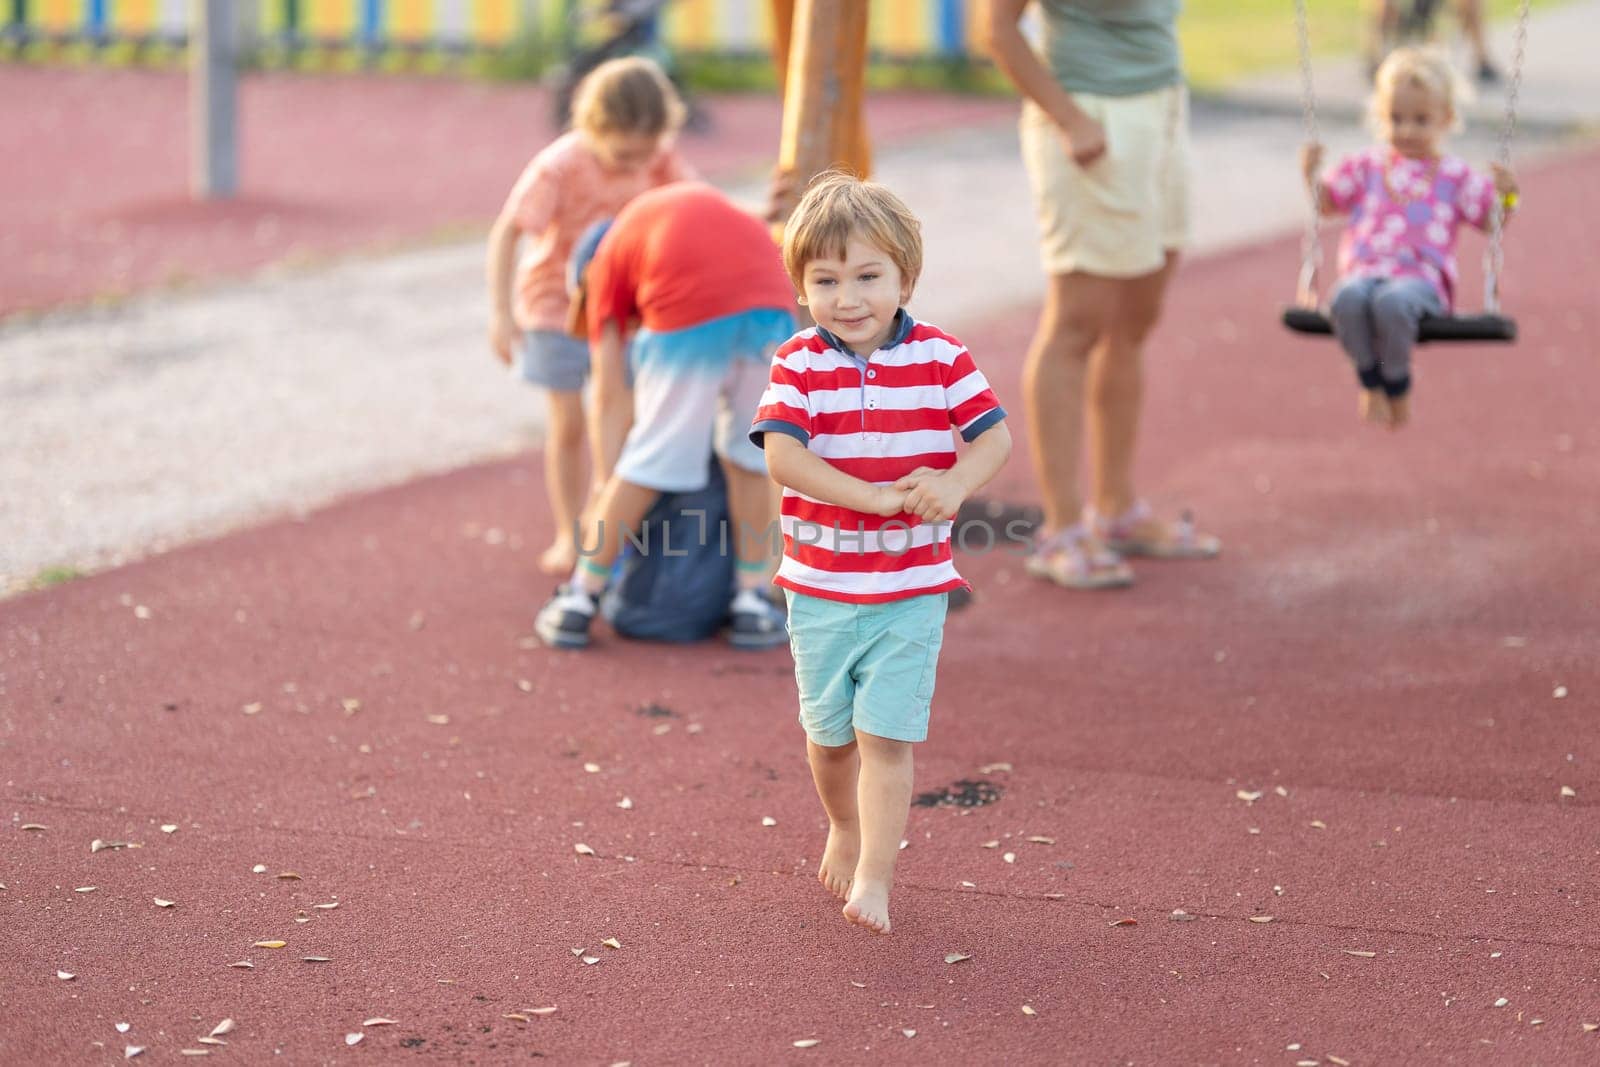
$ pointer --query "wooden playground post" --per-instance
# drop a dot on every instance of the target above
(213, 77)
(821, 49)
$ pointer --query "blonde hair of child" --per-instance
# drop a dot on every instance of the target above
(1427, 68)
(628, 95)
(837, 206)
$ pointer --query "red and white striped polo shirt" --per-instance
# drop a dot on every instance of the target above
(877, 418)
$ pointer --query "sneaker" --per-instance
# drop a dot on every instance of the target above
(564, 620)
(754, 622)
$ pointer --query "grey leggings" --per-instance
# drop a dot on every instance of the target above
(1376, 320)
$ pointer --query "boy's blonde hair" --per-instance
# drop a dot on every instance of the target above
(1428, 69)
(838, 205)
(628, 95)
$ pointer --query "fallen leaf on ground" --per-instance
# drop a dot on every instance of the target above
(269, 944)
(626, 804)
(353, 1039)
(1340, 1062)
(211, 1041)
(992, 768)
(317, 959)
(518, 1016)
(350, 705)
(1040, 839)
(86, 889)
(131, 1051)
(160, 903)
(1560, 692)
(807, 1042)
(1028, 1010)
(969, 885)
(909, 1033)
(1590, 1028)
(1248, 796)
(34, 826)
(991, 844)
(123, 1028)
(1502, 1002)
(260, 868)
(169, 827)
(525, 685)
(859, 985)
(589, 961)
(1280, 790)
(1318, 824)
(65, 976)
(1010, 857)
(1180, 916)
(1125, 922)
(301, 917)
(1055, 896)
(1261, 918)
(591, 768)
(252, 709)
(288, 876)
(1568, 791)
(194, 1052)
(378, 1020)
(953, 957)
(582, 849)
(439, 720)
(611, 942)
(243, 964)
(541, 1011)
(326, 907)
(1358, 952)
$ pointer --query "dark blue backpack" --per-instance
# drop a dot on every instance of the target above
(678, 587)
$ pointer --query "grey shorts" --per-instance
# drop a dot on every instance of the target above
(555, 360)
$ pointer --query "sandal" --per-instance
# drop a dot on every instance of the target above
(1072, 559)
(1130, 534)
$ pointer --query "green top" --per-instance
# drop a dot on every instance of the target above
(1112, 47)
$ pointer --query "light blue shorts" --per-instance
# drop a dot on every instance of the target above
(555, 360)
(866, 667)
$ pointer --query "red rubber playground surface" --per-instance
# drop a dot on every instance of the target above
(1342, 749)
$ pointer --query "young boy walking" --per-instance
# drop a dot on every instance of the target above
(857, 426)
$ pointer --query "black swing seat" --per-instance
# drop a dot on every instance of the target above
(1431, 328)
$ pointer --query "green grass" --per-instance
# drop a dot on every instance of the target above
(1224, 40)
(56, 576)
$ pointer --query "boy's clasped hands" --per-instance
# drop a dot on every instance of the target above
(931, 495)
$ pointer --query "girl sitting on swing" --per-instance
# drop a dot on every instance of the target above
(1406, 202)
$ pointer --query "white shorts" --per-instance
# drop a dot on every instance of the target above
(696, 391)
(1119, 216)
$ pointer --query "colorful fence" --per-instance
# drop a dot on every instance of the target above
(899, 28)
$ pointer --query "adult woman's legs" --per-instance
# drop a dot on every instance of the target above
(1075, 316)
(1116, 387)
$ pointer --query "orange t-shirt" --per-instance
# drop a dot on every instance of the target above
(564, 190)
(683, 255)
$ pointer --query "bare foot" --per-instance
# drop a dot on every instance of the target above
(1399, 411)
(838, 866)
(1374, 406)
(559, 558)
(869, 905)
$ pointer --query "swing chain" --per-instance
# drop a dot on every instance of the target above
(1311, 243)
(1493, 255)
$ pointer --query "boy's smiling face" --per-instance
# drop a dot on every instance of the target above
(855, 298)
